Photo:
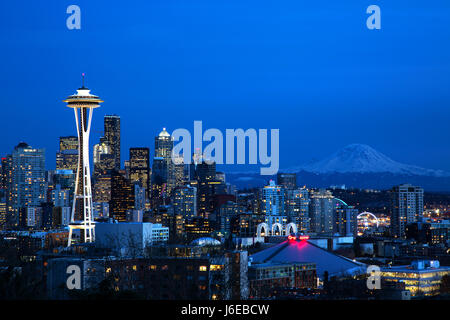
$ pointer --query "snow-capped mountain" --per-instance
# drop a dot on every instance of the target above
(361, 158)
(356, 166)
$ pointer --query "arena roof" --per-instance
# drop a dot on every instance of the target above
(302, 251)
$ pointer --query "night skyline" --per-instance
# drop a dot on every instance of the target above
(235, 65)
(220, 156)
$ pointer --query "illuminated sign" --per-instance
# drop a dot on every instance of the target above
(293, 238)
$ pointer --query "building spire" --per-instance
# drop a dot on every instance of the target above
(82, 80)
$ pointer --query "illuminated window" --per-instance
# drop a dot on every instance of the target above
(203, 268)
(215, 267)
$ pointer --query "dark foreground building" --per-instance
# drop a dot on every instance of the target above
(269, 279)
(221, 277)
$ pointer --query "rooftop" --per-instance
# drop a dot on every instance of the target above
(295, 251)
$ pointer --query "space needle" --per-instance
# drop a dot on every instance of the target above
(81, 226)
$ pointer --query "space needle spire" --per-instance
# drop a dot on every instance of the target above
(81, 226)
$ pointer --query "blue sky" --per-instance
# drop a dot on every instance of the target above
(310, 68)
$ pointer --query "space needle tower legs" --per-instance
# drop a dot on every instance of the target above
(82, 226)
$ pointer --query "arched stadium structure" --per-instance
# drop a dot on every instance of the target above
(370, 214)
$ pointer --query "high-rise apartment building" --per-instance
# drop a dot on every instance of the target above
(406, 206)
(345, 218)
(273, 207)
(321, 211)
(272, 202)
(185, 201)
(297, 208)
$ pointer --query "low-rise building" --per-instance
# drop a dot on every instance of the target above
(130, 238)
(66, 276)
(265, 278)
(422, 277)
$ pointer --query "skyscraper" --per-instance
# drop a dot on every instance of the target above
(3, 214)
(3, 176)
(163, 174)
(28, 179)
(103, 158)
(205, 176)
(179, 174)
(185, 201)
(7, 170)
(83, 104)
(140, 167)
(67, 156)
(159, 181)
(163, 149)
(68, 143)
(102, 188)
(406, 206)
(163, 145)
(104, 163)
(122, 196)
(112, 136)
